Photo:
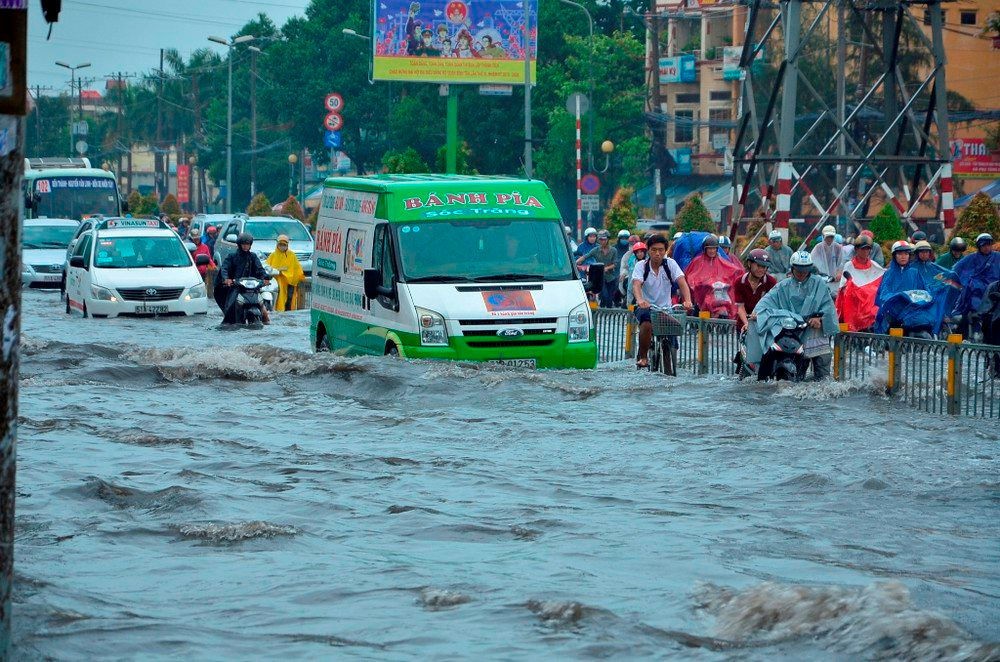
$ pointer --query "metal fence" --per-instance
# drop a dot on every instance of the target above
(936, 376)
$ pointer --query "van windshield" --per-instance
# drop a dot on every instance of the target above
(140, 252)
(47, 236)
(269, 230)
(483, 250)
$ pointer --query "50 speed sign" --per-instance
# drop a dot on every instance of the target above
(334, 102)
(333, 122)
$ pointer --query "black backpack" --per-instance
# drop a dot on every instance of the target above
(665, 267)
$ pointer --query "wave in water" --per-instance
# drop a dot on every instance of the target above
(878, 621)
(433, 599)
(230, 533)
(249, 363)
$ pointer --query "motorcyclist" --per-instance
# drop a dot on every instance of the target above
(804, 294)
(976, 272)
(653, 280)
(244, 263)
(877, 256)
(752, 285)
(589, 243)
(956, 251)
(779, 254)
(828, 256)
(858, 287)
(711, 278)
(625, 267)
(899, 277)
(988, 315)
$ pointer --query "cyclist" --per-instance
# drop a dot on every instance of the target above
(653, 281)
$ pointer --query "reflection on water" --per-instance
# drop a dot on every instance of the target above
(187, 492)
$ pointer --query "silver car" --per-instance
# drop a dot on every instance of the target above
(44, 243)
(265, 231)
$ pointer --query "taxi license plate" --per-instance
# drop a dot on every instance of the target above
(51, 278)
(514, 363)
(150, 310)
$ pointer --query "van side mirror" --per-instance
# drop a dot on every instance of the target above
(231, 238)
(373, 282)
(595, 278)
(202, 260)
(77, 261)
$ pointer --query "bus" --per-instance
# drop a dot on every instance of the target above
(69, 188)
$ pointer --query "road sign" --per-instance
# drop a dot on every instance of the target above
(590, 183)
(333, 122)
(81, 128)
(571, 103)
(81, 146)
(590, 202)
(332, 139)
(493, 90)
(334, 102)
(183, 182)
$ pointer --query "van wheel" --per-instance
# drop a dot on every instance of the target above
(67, 305)
(392, 350)
(323, 344)
(85, 309)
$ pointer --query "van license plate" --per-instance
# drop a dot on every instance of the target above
(150, 310)
(514, 363)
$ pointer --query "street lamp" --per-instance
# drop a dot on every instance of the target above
(590, 124)
(607, 147)
(72, 84)
(371, 63)
(351, 33)
(292, 160)
(229, 43)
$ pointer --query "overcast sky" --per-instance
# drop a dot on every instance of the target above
(127, 35)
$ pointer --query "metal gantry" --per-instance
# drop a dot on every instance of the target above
(840, 99)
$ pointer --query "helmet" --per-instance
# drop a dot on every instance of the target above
(901, 246)
(282, 239)
(678, 235)
(923, 245)
(639, 246)
(724, 241)
(711, 241)
(918, 236)
(589, 231)
(623, 233)
(802, 259)
(566, 229)
(603, 234)
(863, 241)
(195, 233)
(868, 233)
(957, 243)
(775, 235)
(244, 238)
(839, 238)
(759, 256)
(829, 231)
(212, 229)
(983, 239)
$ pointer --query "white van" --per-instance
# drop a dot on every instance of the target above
(133, 266)
(448, 267)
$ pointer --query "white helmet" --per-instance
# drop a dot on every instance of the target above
(775, 234)
(901, 246)
(623, 234)
(802, 259)
(589, 231)
(724, 241)
(678, 235)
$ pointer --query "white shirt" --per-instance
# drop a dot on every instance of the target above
(657, 288)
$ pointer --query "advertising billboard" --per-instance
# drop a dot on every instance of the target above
(972, 159)
(679, 69)
(453, 41)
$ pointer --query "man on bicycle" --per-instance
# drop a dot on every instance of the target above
(653, 281)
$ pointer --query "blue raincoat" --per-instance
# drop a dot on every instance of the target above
(688, 247)
(975, 272)
(897, 305)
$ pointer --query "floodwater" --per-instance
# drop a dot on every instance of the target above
(190, 493)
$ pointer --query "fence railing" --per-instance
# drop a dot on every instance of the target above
(936, 376)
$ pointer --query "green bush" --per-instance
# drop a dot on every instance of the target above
(404, 162)
(978, 217)
(171, 207)
(621, 214)
(259, 206)
(291, 207)
(694, 216)
(886, 226)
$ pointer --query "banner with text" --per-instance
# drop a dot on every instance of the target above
(453, 41)
(972, 159)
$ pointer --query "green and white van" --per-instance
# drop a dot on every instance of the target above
(448, 267)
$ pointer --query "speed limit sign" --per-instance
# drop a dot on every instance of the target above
(333, 122)
(334, 103)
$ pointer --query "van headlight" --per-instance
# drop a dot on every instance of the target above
(102, 293)
(197, 292)
(433, 331)
(579, 323)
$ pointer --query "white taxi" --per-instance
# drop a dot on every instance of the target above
(133, 266)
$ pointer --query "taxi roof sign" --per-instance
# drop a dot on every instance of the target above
(122, 223)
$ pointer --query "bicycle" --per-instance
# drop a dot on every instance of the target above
(667, 325)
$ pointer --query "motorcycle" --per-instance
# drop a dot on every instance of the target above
(248, 301)
(786, 358)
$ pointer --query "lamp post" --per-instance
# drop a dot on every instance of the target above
(292, 160)
(527, 91)
(229, 43)
(195, 193)
(72, 84)
(590, 123)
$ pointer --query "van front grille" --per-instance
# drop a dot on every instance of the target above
(150, 293)
(542, 342)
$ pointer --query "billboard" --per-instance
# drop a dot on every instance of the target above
(679, 69)
(972, 159)
(453, 41)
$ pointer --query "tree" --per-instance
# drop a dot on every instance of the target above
(171, 207)
(886, 226)
(980, 216)
(313, 217)
(134, 202)
(259, 206)
(462, 166)
(143, 205)
(621, 212)
(291, 207)
(694, 216)
(406, 161)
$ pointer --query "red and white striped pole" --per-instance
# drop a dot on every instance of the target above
(783, 202)
(947, 197)
(579, 166)
(893, 199)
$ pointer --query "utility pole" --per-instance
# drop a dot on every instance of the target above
(253, 120)
(157, 157)
(527, 91)
(119, 122)
(658, 130)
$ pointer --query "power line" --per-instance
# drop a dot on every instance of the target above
(190, 18)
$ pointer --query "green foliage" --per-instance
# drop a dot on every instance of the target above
(171, 207)
(886, 226)
(142, 205)
(621, 213)
(404, 162)
(694, 216)
(462, 166)
(134, 202)
(992, 139)
(259, 206)
(978, 217)
(313, 217)
(291, 207)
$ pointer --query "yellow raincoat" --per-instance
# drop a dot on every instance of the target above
(289, 275)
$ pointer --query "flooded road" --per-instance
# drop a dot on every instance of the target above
(185, 492)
